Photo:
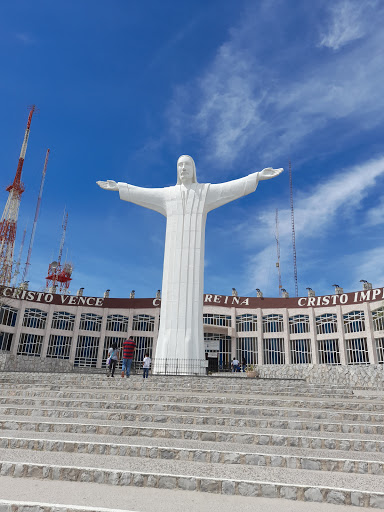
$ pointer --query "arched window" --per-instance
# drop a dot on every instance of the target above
(299, 324)
(354, 321)
(34, 318)
(378, 319)
(63, 320)
(273, 323)
(117, 323)
(143, 323)
(90, 322)
(8, 315)
(246, 323)
(326, 324)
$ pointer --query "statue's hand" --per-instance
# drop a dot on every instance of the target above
(108, 185)
(269, 173)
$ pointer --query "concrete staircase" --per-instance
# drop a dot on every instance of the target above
(229, 436)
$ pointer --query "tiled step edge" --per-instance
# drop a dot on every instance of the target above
(173, 419)
(335, 495)
(228, 410)
(260, 439)
(198, 455)
(33, 506)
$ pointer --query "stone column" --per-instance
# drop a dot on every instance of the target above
(18, 327)
(259, 336)
(341, 335)
(156, 331)
(370, 333)
(313, 335)
(286, 336)
(47, 333)
(102, 338)
(232, 332)
(72, 354)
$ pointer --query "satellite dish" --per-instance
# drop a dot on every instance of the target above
(54, 264)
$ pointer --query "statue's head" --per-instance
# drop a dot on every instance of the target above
(186, 170)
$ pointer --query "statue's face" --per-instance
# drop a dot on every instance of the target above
(185, 169)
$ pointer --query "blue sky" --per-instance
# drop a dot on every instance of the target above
(124, 88)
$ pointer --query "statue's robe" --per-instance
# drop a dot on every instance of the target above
(181, 335)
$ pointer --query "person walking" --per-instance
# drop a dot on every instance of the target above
(128, 347)
(146, 366)
(113, 359)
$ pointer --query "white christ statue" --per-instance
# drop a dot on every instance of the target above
(185, 206)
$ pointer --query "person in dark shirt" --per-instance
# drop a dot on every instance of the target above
(128, 348)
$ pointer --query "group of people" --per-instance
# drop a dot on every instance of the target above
(236, 366)
(127, 350)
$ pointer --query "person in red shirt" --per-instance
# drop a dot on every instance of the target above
(128, 348)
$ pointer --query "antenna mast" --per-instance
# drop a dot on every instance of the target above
(17, 268)
(57, 273)
(28, 262)
(64, 226)
(278, 250)
(8, 223)
(293, 232)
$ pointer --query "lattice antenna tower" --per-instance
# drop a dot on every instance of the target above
(28, 262)
(293, 232)
(17, 268)
(58, 275)
(278, 250)
(64, 226)
(8, 223)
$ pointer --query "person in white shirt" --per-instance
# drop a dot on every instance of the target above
(235, 365)
(146, 366)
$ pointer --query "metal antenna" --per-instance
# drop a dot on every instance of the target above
(293, 232)
(28, 262)
(278, 251)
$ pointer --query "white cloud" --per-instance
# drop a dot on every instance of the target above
(375, 215)
(369, 265)
(346, 24)
(316, 213)
(242, 102)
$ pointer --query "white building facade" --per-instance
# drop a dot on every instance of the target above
(341, 329)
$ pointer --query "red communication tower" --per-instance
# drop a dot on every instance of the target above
(8, 223)
(59, 275)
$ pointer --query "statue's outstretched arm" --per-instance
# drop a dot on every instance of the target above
(223, 193)
(152, 198)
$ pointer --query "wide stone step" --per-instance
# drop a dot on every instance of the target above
(327, 441)
(190, 384)
(113, 394)
(189, 444)
(360, 490)
(305, 410)
(345, 465)
(319, 425)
